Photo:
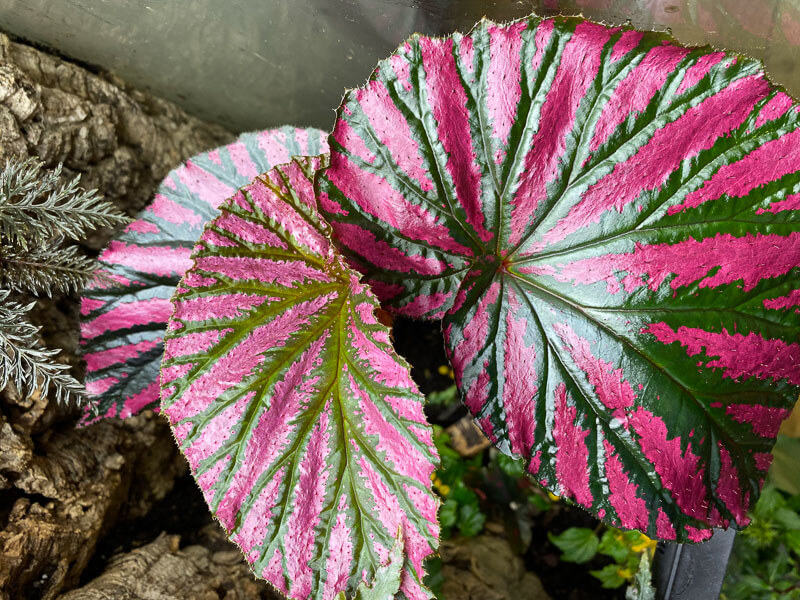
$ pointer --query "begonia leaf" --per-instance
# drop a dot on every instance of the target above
(387, 577)
(302, 427)
(607, 222)
(124, 317)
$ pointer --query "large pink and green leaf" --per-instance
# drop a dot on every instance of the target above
(301, 425)
(123, 322)
(608, 224)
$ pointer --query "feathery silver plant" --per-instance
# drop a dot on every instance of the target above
(38, 212)
(22, 362)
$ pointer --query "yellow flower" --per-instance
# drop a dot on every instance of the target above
(625, 573)
(553, 497)
(445, 371)
(437, 483)
(644, 544)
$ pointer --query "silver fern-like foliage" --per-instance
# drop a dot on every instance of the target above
(38, 214)
(35, 206)
(24, 363)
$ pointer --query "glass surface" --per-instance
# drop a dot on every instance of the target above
(251, 64)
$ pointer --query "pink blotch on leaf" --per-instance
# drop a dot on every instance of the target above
(142, 226)
(765, 420)
(664, 528)
(448, 102)
(737, 354)
(393, 132)
(127, 315)
(520, 380)
(308, 499)
(90, 304)
(729, 488)
(791, 202)
(680, 471)
(474, 335)
(100, 386)
(172, 212)
(713, 261)
(697, 535)
(134, 404)
(630, 508)
(340, 553)
(503, 84)
(162, 261)
(559, 109)
(215, 432)
(609, 383)
(572, 455)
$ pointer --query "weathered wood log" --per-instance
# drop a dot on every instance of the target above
(61, 488)
(163, 570)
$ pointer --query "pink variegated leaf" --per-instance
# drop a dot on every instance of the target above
(608, 224)
(123, 323)
(301, 425)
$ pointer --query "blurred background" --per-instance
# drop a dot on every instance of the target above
(252, 64)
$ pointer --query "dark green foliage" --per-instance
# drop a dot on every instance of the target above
(577, 544)
(461, 506)
(630, 551)
(445, 397)
(37, 214)
(765, 563)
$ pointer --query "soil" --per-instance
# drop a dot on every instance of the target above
(109, 511)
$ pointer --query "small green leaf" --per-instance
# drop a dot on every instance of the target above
(444, 397)
(788, 519)
(434, 578)
(785, 464)
(448, 514)
(470, 520)
(609, 576)
(793, 541)
(513, 467)
(540, 502)
(578, 544)
(771, 501)
(618, 544)
(462, 509)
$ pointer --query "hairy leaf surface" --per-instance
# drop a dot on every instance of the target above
(301, 425)
(608, 224)
(123, 319)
